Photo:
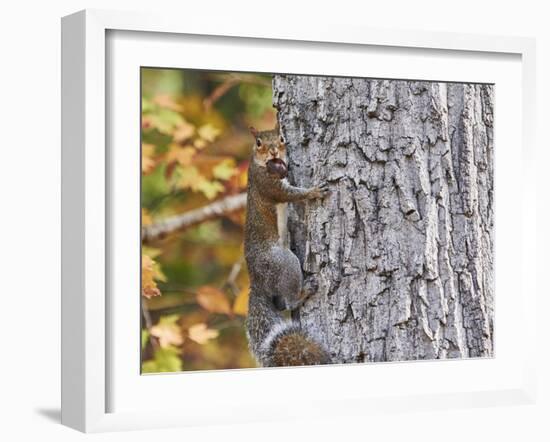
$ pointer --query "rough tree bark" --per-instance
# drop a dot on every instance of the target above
(403, 247)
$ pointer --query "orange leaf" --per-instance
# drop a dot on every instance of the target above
(213, 300)
(183, 155)
(146, 219)
(147, 162)
(148, 285)
(240, 306)
(200, 333)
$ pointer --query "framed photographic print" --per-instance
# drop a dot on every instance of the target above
(337, 212)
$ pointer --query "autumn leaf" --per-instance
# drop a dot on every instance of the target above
(164, 120)
(208, 132)
(183, 132)
(146, 219)
(210, 189)
(149, 287)
(240, 306)
(199, 143)
(200, 333)
(213, 300)
(147, 162)
(190, 178)
(167, 331)
(182, 155)
(225, 169)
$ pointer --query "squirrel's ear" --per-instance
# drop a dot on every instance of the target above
(253, 131)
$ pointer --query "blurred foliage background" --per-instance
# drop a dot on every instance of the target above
(195, 152)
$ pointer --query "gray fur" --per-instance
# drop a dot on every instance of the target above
(276, 280)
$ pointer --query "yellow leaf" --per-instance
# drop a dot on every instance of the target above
(243, 179)
(225, 169)
(148, 285)
(200, 333)
(208, 132)
(151, 252)
(213, 300)
(240, 306)
(147, 153)
(209, 188)
(167, 331)
(146, 219)
(199, 143)
(189, 177)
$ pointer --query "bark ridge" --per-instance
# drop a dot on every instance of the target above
(402, 249)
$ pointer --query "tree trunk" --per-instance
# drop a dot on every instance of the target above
(402, 248)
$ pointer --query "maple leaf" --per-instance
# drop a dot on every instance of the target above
(213, 300)
(199, 143)
(208, 132)
(183, 132)
(240, 306)
(147, 162)
(164, 120)
(209, 188)
(225, 169)
(149, 287)
(200, 333)
(167, 331)
(183, 155)
(189, 177)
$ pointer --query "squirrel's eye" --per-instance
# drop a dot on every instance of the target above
(258, 142)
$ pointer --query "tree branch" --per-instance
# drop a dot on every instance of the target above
(185, 220)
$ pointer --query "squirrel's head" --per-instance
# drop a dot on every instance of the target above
(268, 145)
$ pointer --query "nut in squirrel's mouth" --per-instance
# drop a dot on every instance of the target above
(277, 167)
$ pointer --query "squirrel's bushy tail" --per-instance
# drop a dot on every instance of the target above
(277, 342)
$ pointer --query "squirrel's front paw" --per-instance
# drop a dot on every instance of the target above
(319, 192)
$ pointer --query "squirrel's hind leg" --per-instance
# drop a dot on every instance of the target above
(288, 279)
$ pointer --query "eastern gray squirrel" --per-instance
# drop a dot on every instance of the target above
(276, 281)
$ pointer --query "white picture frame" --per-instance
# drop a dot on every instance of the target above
(87, 353)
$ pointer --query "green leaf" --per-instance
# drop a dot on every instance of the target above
(144, 338)
(154, 186)
(165, 120)
(257, 98)
(146, 105)
(224, 170)
(166, 359)
(210, 188)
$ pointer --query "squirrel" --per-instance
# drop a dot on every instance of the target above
(276, 281)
